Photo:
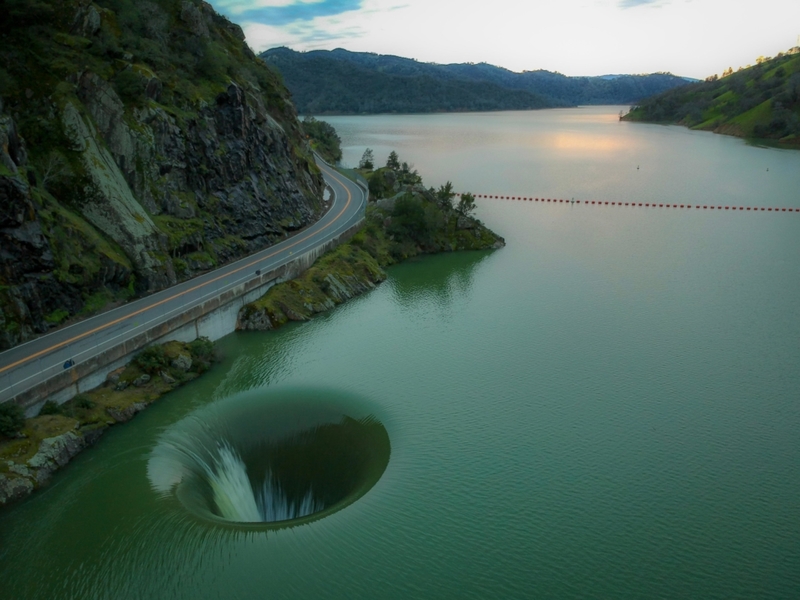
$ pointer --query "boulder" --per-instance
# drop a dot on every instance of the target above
(53, 453)
(14, 488)
(142, 380)
(121, 415)
(92, 433)
(182, 362)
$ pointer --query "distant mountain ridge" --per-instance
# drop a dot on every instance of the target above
(339, 81)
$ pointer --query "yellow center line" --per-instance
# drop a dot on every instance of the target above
(183, 293)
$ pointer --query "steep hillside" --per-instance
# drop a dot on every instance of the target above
(758, 102)
(142, 142)
(350, 82)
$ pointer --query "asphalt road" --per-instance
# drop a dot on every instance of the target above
(28, 364)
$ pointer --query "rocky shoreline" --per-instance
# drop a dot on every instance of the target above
(49, 441)
(357, 266)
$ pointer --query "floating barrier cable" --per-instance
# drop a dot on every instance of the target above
(637, 204)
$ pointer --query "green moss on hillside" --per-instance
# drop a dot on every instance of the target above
(760, 102)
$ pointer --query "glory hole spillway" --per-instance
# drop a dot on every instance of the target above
(271, 459)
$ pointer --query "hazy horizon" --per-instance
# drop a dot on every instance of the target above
(690, 38)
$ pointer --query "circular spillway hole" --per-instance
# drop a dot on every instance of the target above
(276, 459)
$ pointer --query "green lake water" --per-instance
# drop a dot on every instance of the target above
(608, 407)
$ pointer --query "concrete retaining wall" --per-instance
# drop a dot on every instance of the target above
(214, 318)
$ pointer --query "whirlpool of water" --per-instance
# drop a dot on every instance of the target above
(275, 459)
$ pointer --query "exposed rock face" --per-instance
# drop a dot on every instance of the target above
(309, 297)
(26, 257)
(54, 453)
(337, 289)
(109, 205)
(144, 184)
(122, 415)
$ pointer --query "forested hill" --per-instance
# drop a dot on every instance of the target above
(322, 84)
(339, 81)
(141, 142)
(762, 101)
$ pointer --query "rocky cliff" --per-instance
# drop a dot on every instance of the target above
(140, 143)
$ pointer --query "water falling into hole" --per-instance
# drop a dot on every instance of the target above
(235, 498)
(278, 458)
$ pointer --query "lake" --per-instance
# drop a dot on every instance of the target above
(607, 407)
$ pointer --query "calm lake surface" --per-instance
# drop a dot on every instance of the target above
(608, 407)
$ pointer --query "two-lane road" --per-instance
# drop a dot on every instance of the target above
(30, 363)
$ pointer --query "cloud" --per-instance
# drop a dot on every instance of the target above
(283, 12)
(301, 35)
(634, 3)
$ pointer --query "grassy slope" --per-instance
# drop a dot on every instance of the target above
(758, 102)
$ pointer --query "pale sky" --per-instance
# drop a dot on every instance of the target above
(692, 38)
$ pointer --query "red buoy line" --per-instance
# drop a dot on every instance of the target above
(636, 204)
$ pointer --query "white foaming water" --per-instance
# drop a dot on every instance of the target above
(236, 500)
(233, 493)
(275, 506)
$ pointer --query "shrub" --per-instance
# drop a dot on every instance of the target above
(202, 351)
(12, 419)
(51, 408)
(83, 401)
(409, 220)
(152, 360)
(130, 86)
(202, 347)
